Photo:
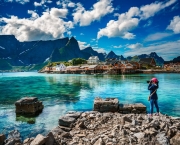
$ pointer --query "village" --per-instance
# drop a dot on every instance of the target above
(112, 66)
(95, 66)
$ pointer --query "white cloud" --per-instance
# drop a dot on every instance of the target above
(71, 4)
(119, 46)
(18, 1)
(59, 12)
(36, 4)
(120, 28)
(175, 24)
(99, 50)
(45, 27)
(130, 20)
(153, 8)
(167, 50)
(135, 46)
(157, 36)
(100, 9)
(83, 45)
(42, 3)
(81, 33)
(33, 14)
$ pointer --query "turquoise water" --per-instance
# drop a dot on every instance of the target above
(61, 93)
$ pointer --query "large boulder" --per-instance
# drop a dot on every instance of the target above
(106, 105)
(39, 140)
(28, 105)
(66, 121)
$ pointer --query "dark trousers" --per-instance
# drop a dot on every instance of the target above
(152, 103)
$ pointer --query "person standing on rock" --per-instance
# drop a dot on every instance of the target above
(153, 98)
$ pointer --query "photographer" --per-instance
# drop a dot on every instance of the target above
(153, 98)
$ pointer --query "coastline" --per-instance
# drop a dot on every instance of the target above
(109, 123)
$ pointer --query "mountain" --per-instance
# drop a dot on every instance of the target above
(159, 60)
(70, 50)
(111, 55)
(15, 53)
(177, 59)
(90, 52)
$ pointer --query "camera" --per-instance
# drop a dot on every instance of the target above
(148, 82)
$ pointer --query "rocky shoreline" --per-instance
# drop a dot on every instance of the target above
(104, 127)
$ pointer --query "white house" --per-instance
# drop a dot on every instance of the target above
(60, 67)
(93, 60)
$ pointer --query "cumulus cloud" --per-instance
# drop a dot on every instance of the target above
(157, 36)
(46, 27)
(59, 12)
(163, 49)
(130, 20)
(99, 9)
(83, 45)
(135, 46)
(120, 28)
(18, 1)
(175, 25)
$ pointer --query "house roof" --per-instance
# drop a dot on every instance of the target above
(93, 57)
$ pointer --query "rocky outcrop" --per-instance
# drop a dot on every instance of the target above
(110, 127)
(28, 105)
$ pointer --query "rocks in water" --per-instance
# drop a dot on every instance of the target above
(2, 139)
(14, 137)
(28, 105)
(106, 105)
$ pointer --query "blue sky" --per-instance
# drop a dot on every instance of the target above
(128, 28)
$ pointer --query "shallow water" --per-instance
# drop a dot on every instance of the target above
(61, 93)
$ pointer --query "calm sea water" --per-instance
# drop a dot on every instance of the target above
(61, 93)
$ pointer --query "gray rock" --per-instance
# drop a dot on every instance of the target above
(39, 140)
(50, 139)
(162, 138)
(66, 121)
(139, 135)
(12, 141)
(73, 114)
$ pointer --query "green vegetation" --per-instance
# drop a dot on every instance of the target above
(77, 61)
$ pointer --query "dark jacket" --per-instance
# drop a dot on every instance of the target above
(152, 88)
